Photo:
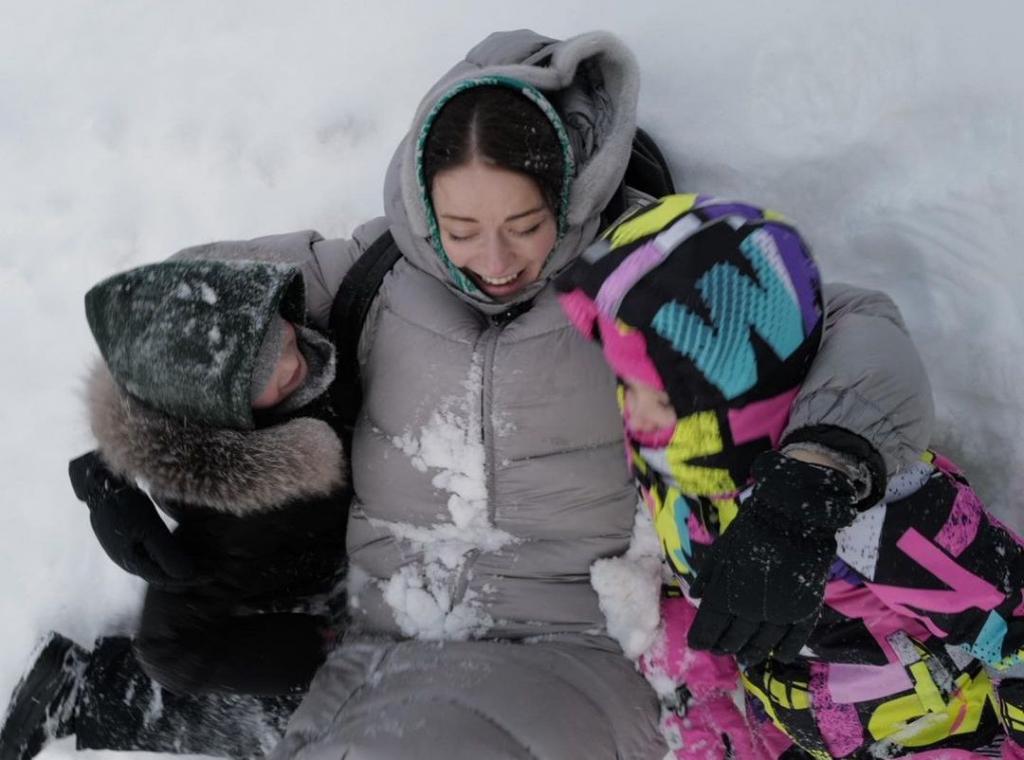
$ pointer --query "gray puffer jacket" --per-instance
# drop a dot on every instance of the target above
(489, 470)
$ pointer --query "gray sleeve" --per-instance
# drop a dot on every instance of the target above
(868, 378)
(327, 263)
(324, 263)
(289, 248)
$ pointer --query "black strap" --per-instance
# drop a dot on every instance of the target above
(348, 313)
(647, 171)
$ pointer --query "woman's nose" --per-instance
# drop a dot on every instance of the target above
(496, 256)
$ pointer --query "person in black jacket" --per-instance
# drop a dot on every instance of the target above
(213, 393)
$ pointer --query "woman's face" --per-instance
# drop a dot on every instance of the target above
(495, 226)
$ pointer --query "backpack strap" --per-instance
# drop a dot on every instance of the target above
(647, 171)
(348, 314)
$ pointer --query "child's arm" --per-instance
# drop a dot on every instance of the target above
(761, 586)
(864, 411)
(127, 525)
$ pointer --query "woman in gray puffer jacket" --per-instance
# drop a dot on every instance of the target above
(487, 459)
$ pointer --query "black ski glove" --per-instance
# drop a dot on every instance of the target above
(128, 527)
(762, 584)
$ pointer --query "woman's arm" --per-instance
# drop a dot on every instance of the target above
(327, 262)
(867, 391)
(323, 262)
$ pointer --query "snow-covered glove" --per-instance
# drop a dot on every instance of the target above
(762, 584)
(127, 525)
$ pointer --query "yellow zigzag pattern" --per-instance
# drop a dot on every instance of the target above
(924, 718)
(919, 719)
(652, 221)
(697, 436)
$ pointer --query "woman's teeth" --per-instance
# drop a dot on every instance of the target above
(498, 280)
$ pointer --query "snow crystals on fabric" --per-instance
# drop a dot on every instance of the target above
(155, 708)
(424, 596)
(421, 599)
(629, 588)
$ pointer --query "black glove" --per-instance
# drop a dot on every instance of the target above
(128, 527)
(763, 581)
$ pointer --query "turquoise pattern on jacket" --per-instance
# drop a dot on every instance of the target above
(681, 516)
(722, 350)
(988, 646)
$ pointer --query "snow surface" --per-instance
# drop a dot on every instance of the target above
(892, 133)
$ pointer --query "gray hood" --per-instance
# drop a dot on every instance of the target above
(593, 82)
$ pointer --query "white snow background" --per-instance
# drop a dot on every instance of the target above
(891, 132)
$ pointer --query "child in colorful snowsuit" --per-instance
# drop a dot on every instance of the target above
(215, 395)
(870, 616)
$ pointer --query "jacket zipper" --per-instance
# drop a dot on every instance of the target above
(486, 348)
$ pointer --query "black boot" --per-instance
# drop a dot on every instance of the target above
(121, 708)
(43, 704)
(108, 702)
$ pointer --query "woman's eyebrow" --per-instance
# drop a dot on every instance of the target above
(524, 213)
(512, 218)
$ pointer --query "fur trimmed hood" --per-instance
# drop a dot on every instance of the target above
(232, 471)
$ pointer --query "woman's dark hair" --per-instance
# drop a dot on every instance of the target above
(503, 127)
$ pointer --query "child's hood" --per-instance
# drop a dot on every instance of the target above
(171, 405)
(719, 305)
(183, 336)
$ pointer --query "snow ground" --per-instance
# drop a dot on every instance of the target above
(893, 134)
